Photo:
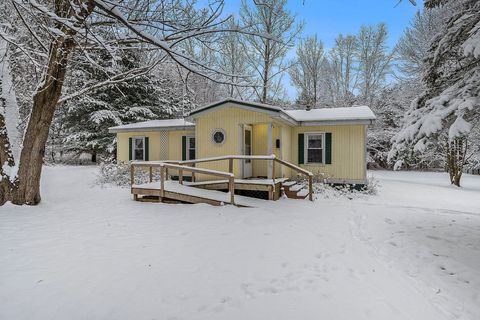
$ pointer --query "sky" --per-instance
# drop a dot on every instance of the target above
(328, 18)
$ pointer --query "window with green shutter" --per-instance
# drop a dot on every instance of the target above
(184, 148)
(301, 148)
(130, 146)
(328, 148)
(146, 149)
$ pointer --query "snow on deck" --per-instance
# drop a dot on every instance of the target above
(174, 186)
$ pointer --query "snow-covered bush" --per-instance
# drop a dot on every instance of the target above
(112, 173)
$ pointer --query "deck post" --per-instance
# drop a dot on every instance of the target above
(231, 189)
(166, 173)
(162, 181)
(273, 171)
(180, 176)
(132, 174)
(310, 188)
(230, 165)
(193, 173)
(150, 173)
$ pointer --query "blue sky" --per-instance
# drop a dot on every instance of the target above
(328, 18)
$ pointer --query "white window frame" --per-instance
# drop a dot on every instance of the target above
(305, 147)
(188, 146)
(224, 136)
(133, 147)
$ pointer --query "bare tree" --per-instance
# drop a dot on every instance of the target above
(374, 60)
(59, 28)
(340, 72)
(266, 55)
(306, 72)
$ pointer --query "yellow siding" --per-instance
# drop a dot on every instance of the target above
(348, 151)
(230, 119)
(155, 144)
(286, 149)
(175, 143)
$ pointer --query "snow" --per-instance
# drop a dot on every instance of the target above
(153, 124)
(332, 114)
(410, 252)
(224, 197)
(11, 112)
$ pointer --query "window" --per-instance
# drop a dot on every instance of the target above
(190, 148)
(138, 149)
(314, 147)
(218, 136)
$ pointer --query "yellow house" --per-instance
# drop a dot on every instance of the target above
(329, 141)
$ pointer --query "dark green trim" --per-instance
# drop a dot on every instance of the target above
(301, 148)
(130, 146)
(328, 148)
(146, 149)
(233, 101)
(185, 178)
(184, 148)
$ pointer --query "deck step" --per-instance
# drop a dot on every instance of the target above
(288, 184)
(295, 188)
(302, 193)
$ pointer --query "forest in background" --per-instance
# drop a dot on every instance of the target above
(132, 61)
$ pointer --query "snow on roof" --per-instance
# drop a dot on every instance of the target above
(240, 102)
(332, 114)
(171, 124)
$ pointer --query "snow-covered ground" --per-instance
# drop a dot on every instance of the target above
(410, 252)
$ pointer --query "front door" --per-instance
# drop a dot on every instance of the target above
(247, 150)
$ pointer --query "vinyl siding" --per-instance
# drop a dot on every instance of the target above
(157, 151)
(348, 152)
(230, 119)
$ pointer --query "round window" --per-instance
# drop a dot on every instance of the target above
(218, 136)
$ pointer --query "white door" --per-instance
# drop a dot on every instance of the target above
(247, 150)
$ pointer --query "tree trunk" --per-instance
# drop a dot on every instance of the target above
(45, 99)
(36, 135)
(456, 151)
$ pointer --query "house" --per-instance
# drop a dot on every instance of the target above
(329, 141)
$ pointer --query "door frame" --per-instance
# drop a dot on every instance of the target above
(247, 164)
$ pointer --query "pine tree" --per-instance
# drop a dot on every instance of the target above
(450, 106)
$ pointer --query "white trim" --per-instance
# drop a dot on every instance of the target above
(305, 147)
(133, 147)
(270, 149)
(334, 123)
(229, 104)
(187, 146)
(152, 129)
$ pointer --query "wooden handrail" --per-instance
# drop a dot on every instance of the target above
(189, 166)
(294, 167)
(165, 166)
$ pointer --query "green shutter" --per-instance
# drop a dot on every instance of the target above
(328, 148)
(130, 142)
(146, 148)
(184, 148)
(301, 148)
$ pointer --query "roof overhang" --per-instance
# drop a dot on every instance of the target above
(336, 122)
(253, 106)
(151, 129)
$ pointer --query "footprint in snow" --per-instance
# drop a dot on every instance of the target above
(389, 221)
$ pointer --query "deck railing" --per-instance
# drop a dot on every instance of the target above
(190, 166)
(164, 174)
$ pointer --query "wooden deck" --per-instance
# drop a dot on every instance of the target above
(213, 191)
(190, 194)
